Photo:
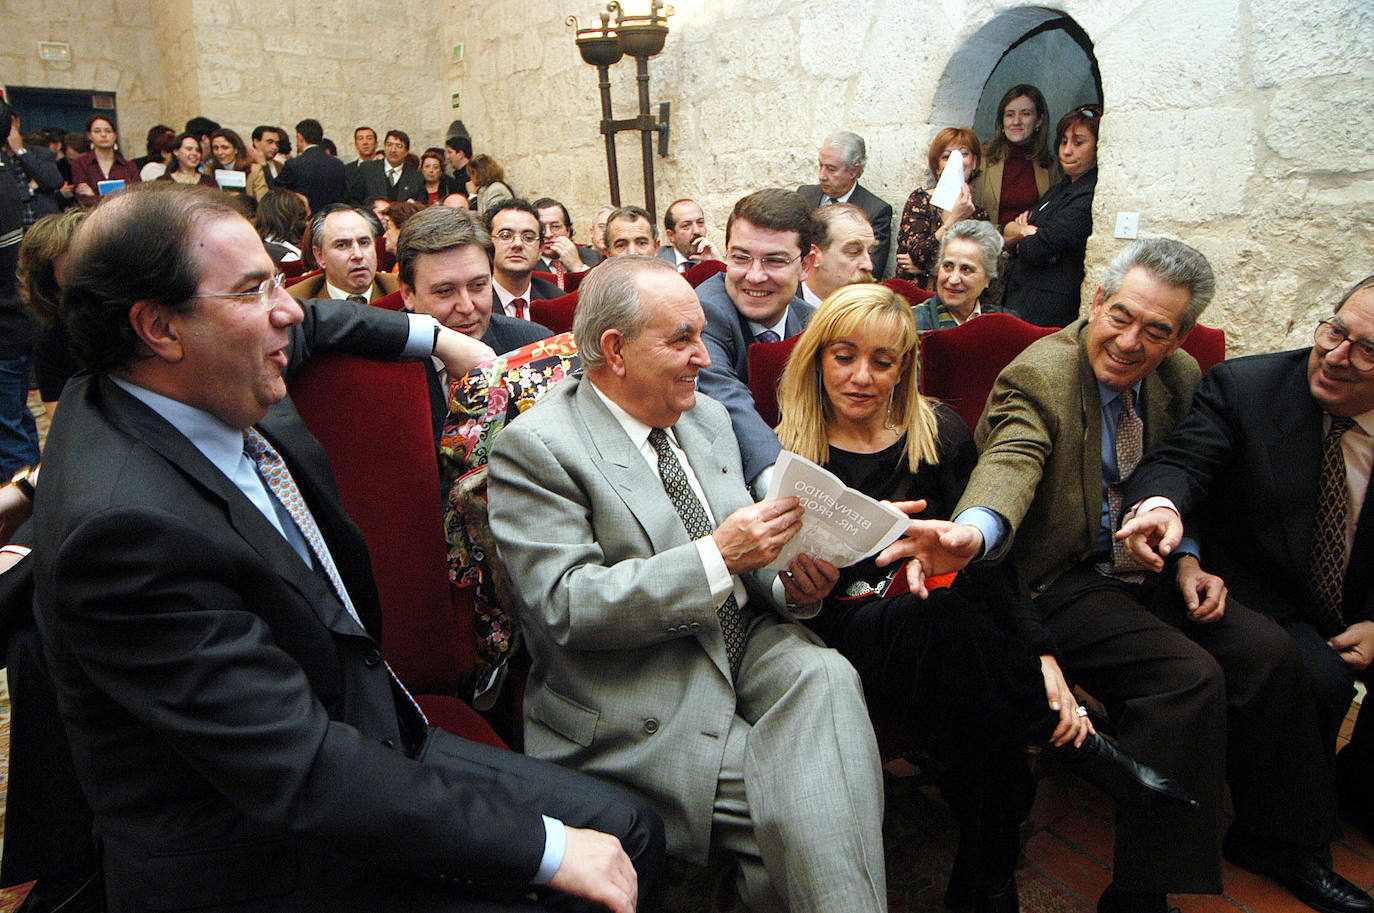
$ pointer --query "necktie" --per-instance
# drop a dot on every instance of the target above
(520, 307)
(831, 201)
(559, 272)
(1327, 570)
(767, 336)
(1130, 444)
(391, 175)
(694, 518)
(275, 473)
(361, 299)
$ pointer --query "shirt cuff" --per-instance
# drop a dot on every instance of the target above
(717, 574)
(420, 342)
(1150, 504)
(990, 523)
(761, 482)
(555, 846)
(1187, 546)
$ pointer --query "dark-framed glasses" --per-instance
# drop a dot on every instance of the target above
(1331, 333)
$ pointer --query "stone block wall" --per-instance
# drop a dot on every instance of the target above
(1240, 126)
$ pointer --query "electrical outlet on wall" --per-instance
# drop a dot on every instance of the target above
(1128, 225)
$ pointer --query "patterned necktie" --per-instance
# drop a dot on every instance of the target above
(1130, 445)
(1327, 570)
(694, 517)
(360, 299)
(559, 273)
(274, 472)
(520, 307)
(392, 174)
(767, 336)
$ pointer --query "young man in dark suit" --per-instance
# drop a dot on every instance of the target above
(210, 619)
(314, 172)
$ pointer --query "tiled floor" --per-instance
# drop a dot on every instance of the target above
(1067, 857)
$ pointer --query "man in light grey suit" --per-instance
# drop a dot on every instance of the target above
(665, 656)
(768, 252)
(841, 161)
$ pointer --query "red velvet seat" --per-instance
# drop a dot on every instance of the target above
(909, 290)
(573, 281)
(695, 275)
(959, 365)
(392, 302)
(766, 361)
(373, 420)
(291, 269)
(1207, 345)
(555, 313)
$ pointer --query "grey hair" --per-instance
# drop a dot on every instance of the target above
(851, 147)
(1171, 262)
(317, 220)
(609, 299)
(981, 233)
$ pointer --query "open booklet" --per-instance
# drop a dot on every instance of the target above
(840, 525)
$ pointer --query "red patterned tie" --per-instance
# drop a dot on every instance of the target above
(519, 305)
(1326, 572)
(732, 626)
(560, 273)
(274, 472)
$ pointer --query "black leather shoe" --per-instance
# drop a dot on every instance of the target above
(1303, 871)
(1102, 763)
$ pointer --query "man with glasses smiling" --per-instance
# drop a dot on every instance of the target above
(211, 621)
(1201, 688)
(518, 234)
(1271, 469)
(768, 252)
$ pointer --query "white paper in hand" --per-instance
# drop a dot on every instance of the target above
(840, 525)
(951, 182)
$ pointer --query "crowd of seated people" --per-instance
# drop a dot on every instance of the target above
(1094, 521)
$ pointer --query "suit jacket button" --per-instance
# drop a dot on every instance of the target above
(650, 726)
(694, 625)
(372, 657)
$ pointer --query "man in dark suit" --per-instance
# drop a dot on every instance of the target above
(443, 258)
(842, 158)
(209, 616)
(684, 228)
(390, 177)
(518, 234)
(1202, 689)
(365, 141)
(343, 240)
(768, 243)
(314, 172)
(1289, 528)
(458, 152)
(559, 252)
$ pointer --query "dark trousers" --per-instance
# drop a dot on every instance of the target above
(1205, 704)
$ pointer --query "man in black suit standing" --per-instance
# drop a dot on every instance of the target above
(443, 258)
(314, 172)
(391, 177)
(209, 616)
(365, 141)
(842, 158)
(1270, 470)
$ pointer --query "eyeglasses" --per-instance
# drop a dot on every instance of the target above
(509, 234)
(1331, 333)
(771, 264)
(264, 292)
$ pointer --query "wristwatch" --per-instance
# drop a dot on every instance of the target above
(21, 481)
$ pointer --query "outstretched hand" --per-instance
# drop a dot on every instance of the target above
(935, 547)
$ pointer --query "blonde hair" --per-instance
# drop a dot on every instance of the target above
(801, 395)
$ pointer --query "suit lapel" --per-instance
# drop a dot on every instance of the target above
(638, 486)
(1294, 462)
(150, 428)
(1090, 414)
